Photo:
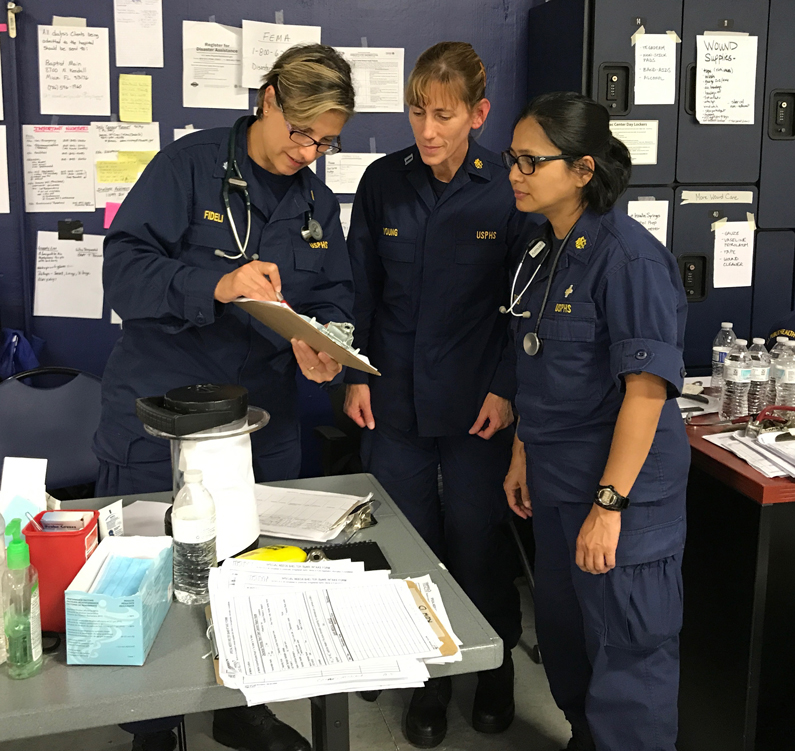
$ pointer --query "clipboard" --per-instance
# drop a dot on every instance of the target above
(282, 319)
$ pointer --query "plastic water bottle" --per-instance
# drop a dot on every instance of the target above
(760, 376)
(193, 529)
(736, 382)
(721, 345)
(775, 353)
(785, 383)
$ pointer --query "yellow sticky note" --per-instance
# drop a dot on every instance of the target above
(118, 172)
(141, 158)
(135, 98)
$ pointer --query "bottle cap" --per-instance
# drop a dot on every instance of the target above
(781, 339)
(741, 342)
(758, 340)
(727, 325)
(18, 553)
(193, 475)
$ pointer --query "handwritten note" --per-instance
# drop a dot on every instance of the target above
(653, 215)
(58, 170)
(264, 42)
(68, 277)
(655, 69)
(734, 255)
(725, 79)
(139, 33)
(74, 71)
(117, 172)
(640, 137)
(135, 98)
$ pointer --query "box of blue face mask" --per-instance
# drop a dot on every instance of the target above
(118, 601)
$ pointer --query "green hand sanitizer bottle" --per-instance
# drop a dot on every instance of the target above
(22, 611)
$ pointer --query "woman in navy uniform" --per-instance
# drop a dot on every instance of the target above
(601, 456)
(173, 262)
(432, 235)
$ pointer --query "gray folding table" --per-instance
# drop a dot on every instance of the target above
(178, 678)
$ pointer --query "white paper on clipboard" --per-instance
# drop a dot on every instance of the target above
(282, 319)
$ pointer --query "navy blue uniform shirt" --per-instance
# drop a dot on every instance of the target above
(160, 272)
(616, 306)
(430, 276)
(784, 327)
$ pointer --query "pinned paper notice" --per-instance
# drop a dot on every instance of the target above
(5, 207)
(180, 132)
(110, 213)
(139, 33)
(734, 255)
(141, 158)
(640, 137)
(264, 42)
(135, 98)
(117, 172)
(655, 69)
(725, 79)
(717, 196)
(344, 171)
(653, 215)
(345, 217)
(377, 77)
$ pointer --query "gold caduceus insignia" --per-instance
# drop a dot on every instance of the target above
(478, 163)
(569, 290)
(581, 243)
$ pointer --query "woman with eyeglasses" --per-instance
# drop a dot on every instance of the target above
(217, 215)
(601, 458)
(433, 234)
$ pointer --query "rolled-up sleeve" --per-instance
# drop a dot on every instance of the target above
(641, 306)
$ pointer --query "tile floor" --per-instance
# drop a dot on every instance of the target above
(539, 725)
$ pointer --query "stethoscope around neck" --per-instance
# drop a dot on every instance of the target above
(532, 343)
(234, 182)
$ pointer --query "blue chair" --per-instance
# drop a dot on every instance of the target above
(56, 424)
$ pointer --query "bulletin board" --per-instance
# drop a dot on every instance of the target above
(496, 29)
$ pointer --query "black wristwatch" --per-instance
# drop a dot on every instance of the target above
(607, 497)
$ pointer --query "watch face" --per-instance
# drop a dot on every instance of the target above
(607, 497)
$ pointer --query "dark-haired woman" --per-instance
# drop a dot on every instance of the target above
(601, 457)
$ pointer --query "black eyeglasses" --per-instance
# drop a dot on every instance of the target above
(304, 139)
(527, 162)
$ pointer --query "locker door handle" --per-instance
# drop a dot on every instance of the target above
(690, 89)
(694, 276)
(781, 126)
(614, 88)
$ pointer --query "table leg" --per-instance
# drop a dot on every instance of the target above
(330, 730)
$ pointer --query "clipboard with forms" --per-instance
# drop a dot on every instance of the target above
(282, 319)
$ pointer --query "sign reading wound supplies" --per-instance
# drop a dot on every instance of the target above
(725, 79)
(734, 255)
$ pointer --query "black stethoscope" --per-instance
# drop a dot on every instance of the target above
(532, 343)
(234, 182)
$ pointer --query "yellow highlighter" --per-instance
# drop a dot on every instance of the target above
(280, 553)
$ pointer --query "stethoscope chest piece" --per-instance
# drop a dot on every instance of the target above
(532, 343)
(312, 230)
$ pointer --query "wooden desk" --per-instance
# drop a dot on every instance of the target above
(738, 651)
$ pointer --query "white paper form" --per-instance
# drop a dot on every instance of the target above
(180, 132)
(344, 171)
(107, 140)
(653, 215)
(264, 42)
(655, 69)
(5, 207)
(22, 488)
(68, 277)
(377, 77)
(725, 79)
(212, 66)
(734, 255)
(345, 217)
(74, 71)
(640, 137)
(58, 168)
(138, 33)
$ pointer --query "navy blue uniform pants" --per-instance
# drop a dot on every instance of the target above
(466, 528)
(610, 642)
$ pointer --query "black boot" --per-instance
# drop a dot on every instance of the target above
(370, 696)
(493, 710)
(164, 740)
(255, 729)
(426, 721)
(581, 739)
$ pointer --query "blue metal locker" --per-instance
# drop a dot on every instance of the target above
(694, 246)
(719, 153)
(777, 183)
(774, 263)
(586, 45)
(658, 194)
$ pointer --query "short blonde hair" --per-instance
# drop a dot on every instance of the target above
(309, 80)
(456, 66)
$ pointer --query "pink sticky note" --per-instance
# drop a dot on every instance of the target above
(3, 27)
(110, 212)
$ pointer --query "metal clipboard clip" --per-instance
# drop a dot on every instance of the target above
(360, 517)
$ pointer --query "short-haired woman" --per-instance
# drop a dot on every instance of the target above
(178, 252)
(433, 234)
(601, 457)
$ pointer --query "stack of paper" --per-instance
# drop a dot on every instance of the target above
(303, 514)
(766, 455)
(295, 630)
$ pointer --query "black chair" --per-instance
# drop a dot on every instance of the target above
(56, 423)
